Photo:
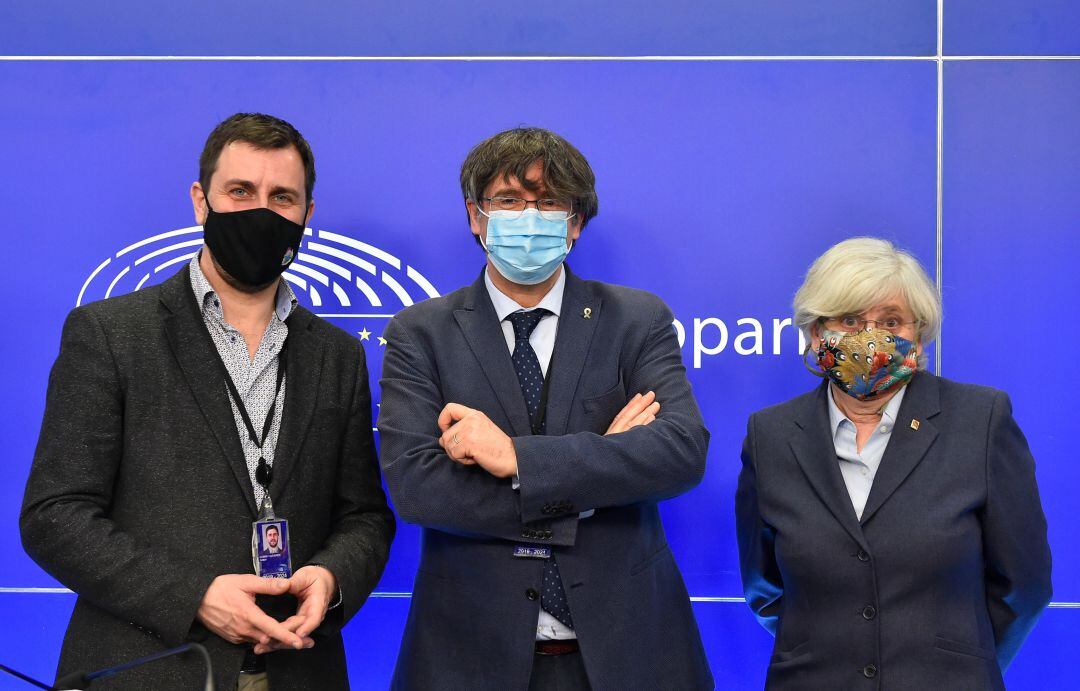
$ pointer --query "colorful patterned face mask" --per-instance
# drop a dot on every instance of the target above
(867, 363)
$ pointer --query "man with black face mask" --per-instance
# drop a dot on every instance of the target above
(214, 402)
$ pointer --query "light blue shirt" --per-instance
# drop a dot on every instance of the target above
(860, 467)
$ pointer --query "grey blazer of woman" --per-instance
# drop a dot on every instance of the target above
(940, 581)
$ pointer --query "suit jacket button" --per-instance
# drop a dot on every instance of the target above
(532, 594)
(869, 671)
(869, 612)
(863, 556)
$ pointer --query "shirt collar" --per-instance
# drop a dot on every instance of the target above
(285, 299)
(836, 417)
(505, 306)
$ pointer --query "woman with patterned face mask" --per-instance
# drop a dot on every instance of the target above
(889, 523)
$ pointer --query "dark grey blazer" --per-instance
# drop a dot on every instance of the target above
(946, 573)
(139, 495)
(473, 618)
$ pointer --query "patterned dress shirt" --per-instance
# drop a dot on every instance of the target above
(254, 379)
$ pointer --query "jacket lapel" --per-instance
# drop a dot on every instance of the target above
(814, 450)
(907, 446)
(198, 359)
(572, 342)
(304, 365)
(480, 326)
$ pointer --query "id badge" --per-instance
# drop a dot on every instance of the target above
(270, 548)
(532, 552)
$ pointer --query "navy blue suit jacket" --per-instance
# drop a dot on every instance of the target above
(941, 580)
(473, 617)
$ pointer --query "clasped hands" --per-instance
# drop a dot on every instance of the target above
(470, 438)
(228, 608)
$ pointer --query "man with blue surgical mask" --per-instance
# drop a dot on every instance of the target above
(531, 423)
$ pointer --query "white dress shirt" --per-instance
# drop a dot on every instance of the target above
(542, 341)
(542, 338)
(860, 467)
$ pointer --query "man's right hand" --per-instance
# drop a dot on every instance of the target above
(641, 410)
(228, 609)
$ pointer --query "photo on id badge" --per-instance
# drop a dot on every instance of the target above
(270, 548)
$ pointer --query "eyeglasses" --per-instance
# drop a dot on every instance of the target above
(550, 209)
(851, 323)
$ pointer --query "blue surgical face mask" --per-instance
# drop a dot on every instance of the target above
(524, 246)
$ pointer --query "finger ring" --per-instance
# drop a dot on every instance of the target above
(456, 440)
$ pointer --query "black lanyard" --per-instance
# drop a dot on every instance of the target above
(264, 473)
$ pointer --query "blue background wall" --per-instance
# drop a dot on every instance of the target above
(722, 173)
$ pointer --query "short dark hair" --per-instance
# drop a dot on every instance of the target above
(262, 132)
(273, 527)
(567, 175)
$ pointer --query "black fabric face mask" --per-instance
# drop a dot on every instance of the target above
(254, 246)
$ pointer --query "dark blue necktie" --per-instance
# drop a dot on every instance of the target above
(531, 378)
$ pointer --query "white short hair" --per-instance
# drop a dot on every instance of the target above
(857, 274)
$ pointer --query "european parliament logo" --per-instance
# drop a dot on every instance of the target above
(360, 286)
(334, 275)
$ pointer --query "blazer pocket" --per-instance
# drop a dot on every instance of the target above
(791, 653)
(326, 432)
(607, 404)
(650, 560)
(963, 648)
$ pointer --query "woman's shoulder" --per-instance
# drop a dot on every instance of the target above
(791, 409)
(953, 393)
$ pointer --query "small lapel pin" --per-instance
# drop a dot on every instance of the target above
(587, 313)
(914, 424)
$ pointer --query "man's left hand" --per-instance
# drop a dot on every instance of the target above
(314, 587)
(469, 438)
